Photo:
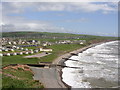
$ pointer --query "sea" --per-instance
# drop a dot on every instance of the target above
(96, 67)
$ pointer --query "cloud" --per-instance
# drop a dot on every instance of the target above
(18, 7)
(19, 23)
(61, 0)
(76, 20)
(16, 23)
(93, 7)
(78, 7)
(28, 25)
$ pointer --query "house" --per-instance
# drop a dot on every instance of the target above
(81, 43)
(6, 50)
(45, 50)
(14, 53)
(44, 44)
(13, 46)
(9, 43)
(8, 54)
(23, 42)
(21, 48)
(36, 51)
(26, 49)
(26, 52)
(21, 53)
(12, 50)
(14, 43)
(1, 54)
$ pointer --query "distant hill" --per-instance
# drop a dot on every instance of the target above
(35, 34)
(50, 35)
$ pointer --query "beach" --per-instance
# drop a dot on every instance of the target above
(52, 77)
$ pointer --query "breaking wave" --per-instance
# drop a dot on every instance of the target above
(98, 67)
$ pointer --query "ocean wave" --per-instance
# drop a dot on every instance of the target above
(97, 62)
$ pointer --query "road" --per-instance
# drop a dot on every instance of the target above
(49, 77)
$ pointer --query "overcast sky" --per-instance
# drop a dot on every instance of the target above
(97, 18)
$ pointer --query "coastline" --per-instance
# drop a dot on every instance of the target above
(52, 77)
(61, 61)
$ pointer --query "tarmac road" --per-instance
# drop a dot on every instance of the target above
(49, 77)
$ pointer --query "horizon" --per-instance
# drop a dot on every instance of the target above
(56, 33)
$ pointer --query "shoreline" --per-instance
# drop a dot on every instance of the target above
(51, 77)
(61, 61)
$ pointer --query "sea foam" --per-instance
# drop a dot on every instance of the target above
(96, 64)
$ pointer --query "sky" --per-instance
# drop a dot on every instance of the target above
(96, 18)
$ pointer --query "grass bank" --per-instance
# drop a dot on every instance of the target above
(13, 77)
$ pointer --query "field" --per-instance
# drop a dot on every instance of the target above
(57, 51)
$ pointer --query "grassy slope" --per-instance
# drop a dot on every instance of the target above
(24, 79)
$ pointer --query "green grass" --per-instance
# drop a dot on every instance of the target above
(11, 51)
(25, 79)
(18, 59)
(31, 47)
(57, 51)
